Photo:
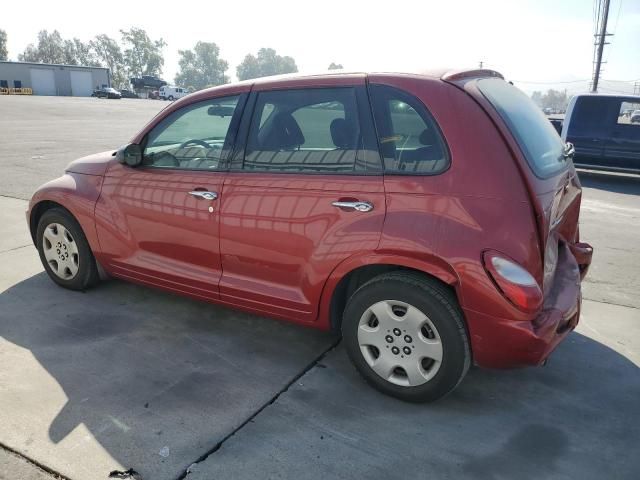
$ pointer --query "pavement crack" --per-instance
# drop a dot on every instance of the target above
(271, 401)
(16, 248)
(33, 462)
(14, 198)
(624, 305)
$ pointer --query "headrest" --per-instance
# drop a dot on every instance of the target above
(427, 137)
(342, 133)
(284, 133)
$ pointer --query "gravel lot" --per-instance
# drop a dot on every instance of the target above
(128, 377)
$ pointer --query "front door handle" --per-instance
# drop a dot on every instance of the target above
(204, 195)
(359, 206)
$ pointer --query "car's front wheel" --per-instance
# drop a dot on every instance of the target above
(64, 250)
(405, 334)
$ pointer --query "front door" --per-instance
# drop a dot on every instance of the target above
(304, 193)
(159, 223)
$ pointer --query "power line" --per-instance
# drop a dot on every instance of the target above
(552, 83)
(575, 81)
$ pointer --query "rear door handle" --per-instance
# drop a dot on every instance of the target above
(204, 195)
(359, 206)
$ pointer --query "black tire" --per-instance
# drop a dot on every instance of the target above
(87, 274)
(440, 306)
(171, 98)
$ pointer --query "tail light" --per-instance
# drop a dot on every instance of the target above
(515, 283)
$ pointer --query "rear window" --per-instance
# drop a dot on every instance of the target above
(535, 135)
(629, 113)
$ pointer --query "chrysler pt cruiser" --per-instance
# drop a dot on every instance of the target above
(431, 220)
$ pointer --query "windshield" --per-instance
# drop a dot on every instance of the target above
(534, 133)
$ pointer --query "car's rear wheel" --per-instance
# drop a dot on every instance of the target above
(406, 336)
(64, 250)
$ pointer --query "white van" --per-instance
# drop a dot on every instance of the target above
(172, 93)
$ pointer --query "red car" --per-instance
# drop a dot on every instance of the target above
(431, 219)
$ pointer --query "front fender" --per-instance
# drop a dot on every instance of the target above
(431, 265)
(75, 192)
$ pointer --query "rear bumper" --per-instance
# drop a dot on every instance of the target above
(505, 343)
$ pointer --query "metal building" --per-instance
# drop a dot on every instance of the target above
(49, 79)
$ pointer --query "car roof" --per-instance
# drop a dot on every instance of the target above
(610, 95)
(447, 74)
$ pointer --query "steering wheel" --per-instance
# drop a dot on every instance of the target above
(195, 141)
(164, 159)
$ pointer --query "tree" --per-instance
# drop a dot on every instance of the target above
(50, 49)
(4, 54)
(142, 56)
(110, 55)
(201, 66)
(83, 53)
(552, 99)
(335, 66)
(267, 62)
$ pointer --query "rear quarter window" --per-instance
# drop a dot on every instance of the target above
(410, 141)
(540, 143)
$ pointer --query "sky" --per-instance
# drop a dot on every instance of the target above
(539, 44)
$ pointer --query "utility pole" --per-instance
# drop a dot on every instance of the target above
(601, 39)
(481, 63)
(636, 88)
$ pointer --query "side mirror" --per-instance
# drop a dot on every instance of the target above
(130, 154)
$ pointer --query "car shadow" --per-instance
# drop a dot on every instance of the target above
(575, 418)
(612, 182)
(158, 380)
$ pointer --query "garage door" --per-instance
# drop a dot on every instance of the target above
(81, 83)
(42, 81)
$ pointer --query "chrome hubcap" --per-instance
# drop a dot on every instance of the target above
(400, 343)
(60, 250)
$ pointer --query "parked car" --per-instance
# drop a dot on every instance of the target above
(153, 95)
(604, 139)
(147, 81)
(172, 93)
(315, 199)
(107, 92)
(128, 93)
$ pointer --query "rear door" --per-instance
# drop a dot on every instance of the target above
(622, 149)
(304, 193)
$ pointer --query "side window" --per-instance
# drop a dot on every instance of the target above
(316, 130)
(589, 116)
(193, 137)
(409, 139)
(629, 114)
